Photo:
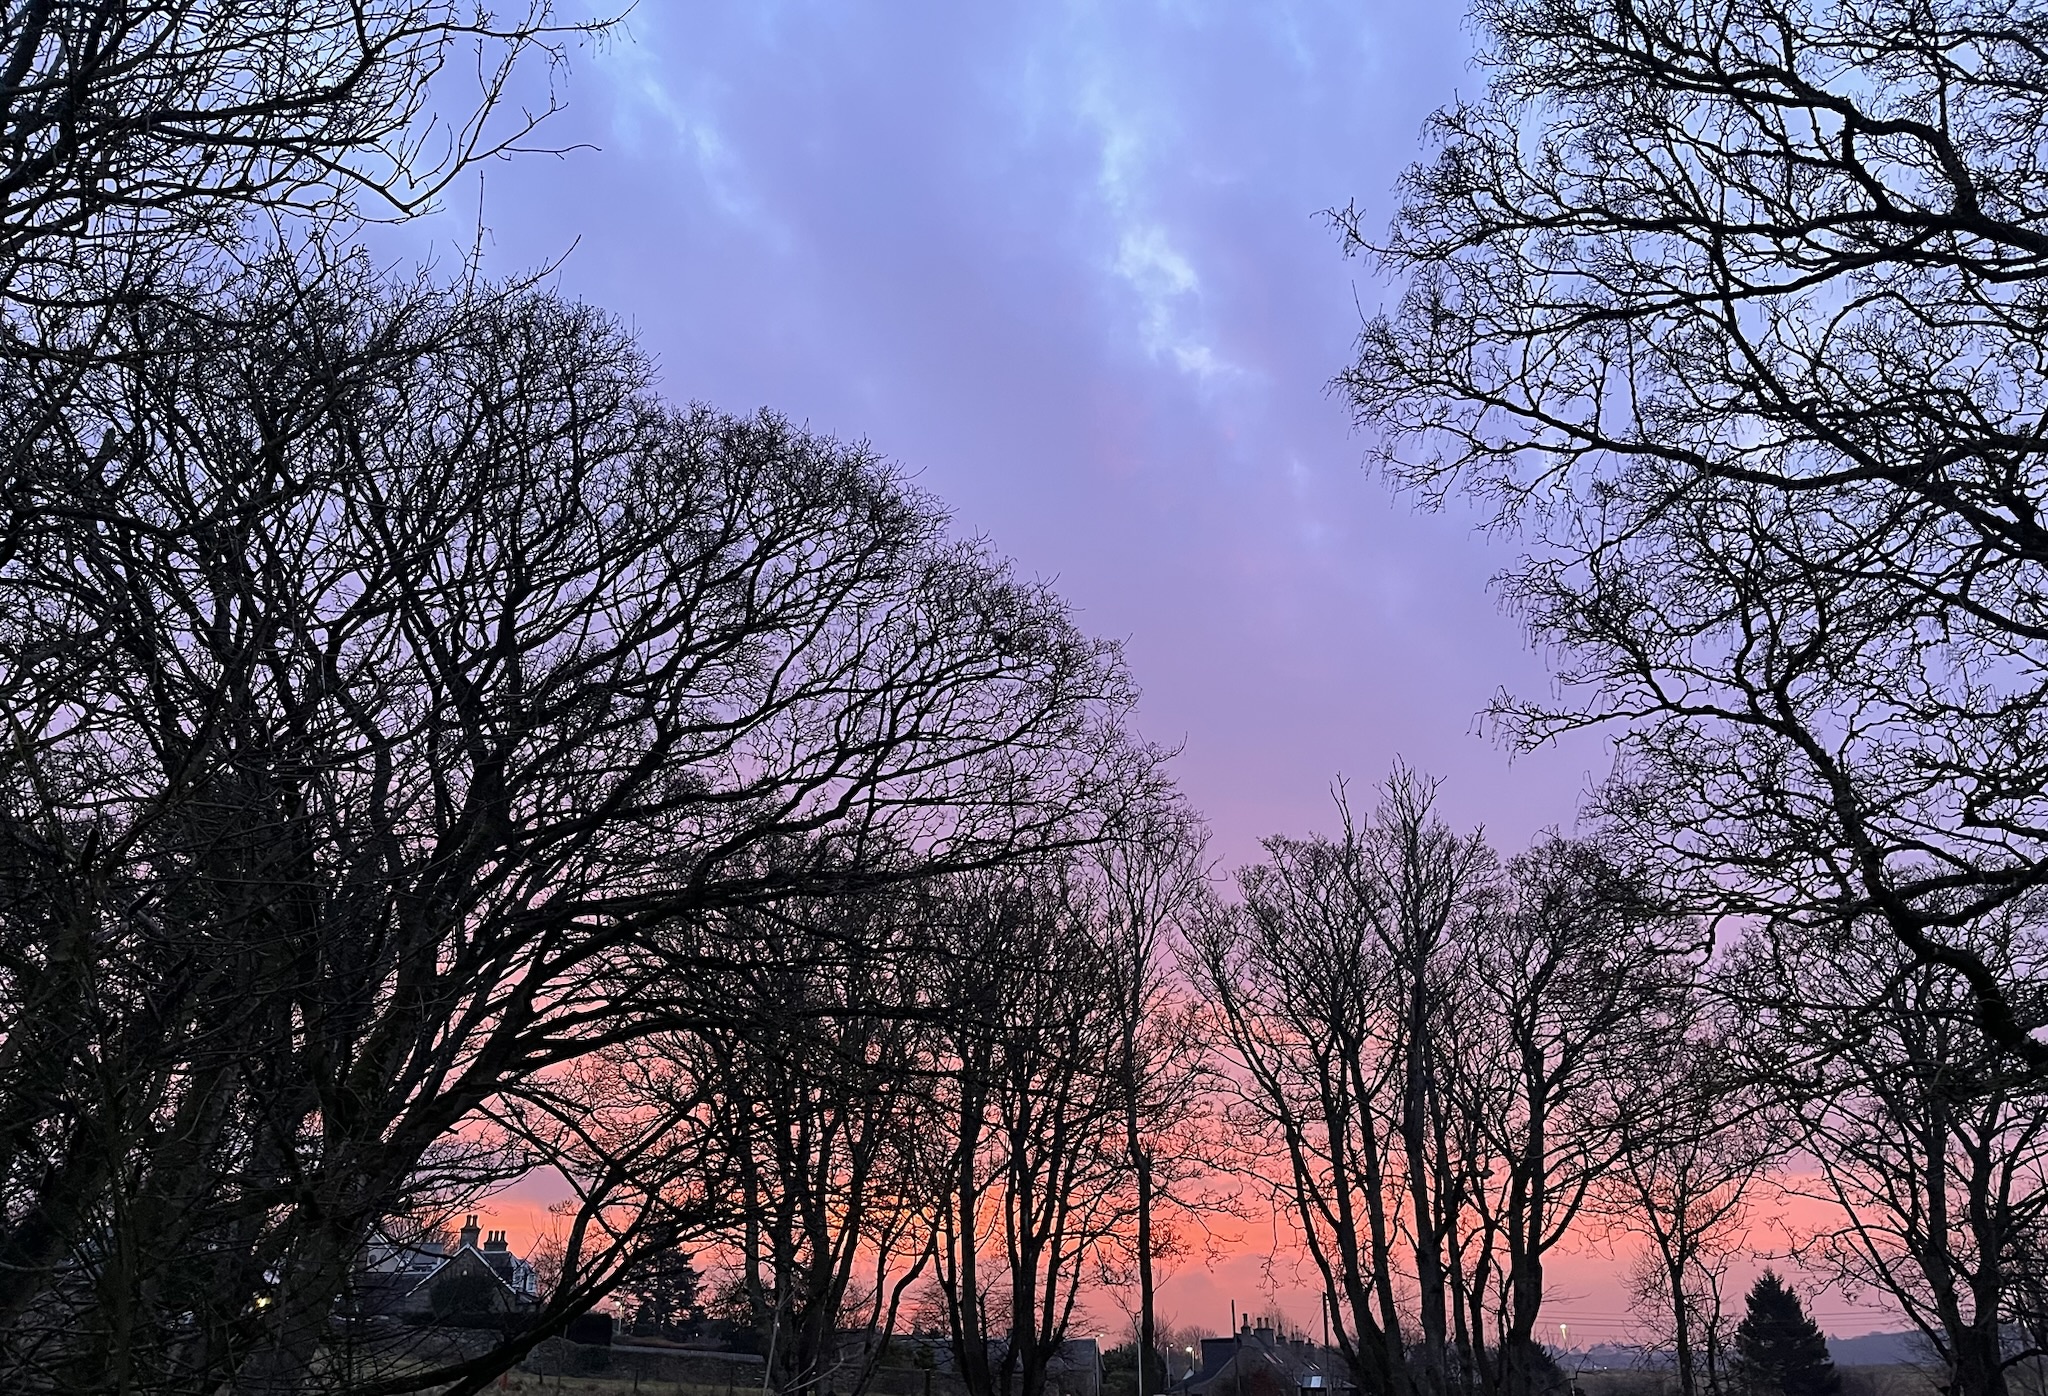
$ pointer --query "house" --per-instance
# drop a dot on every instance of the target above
(474, 1276)
(1259, 1361)
(1076, 1369)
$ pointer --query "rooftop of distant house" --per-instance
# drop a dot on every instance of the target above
(435, 1275)
(1260, 1360)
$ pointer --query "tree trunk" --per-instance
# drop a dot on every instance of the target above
(1148, 1336)
(1681, 1328)
(970, 1340)
(1429, 1263)
(1976, 1366)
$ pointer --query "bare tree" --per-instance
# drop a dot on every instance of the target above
(1931, 1144)
(1428, 881)
(1150, 888)
(1738, 306)
(1445, 1057)
(1332, 986)
(152, 150)
(404, 691)
(818, 1090)
(1685, 1181)
(1581, 971)
(1033, 1159)
(136, 138)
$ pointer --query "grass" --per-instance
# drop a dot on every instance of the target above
(609, 1385)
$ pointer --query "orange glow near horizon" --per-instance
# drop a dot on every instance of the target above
(1257, 1265)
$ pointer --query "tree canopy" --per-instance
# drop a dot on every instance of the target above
(1736, 307)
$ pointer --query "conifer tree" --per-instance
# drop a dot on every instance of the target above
(1779, 1351)
(658, 1298)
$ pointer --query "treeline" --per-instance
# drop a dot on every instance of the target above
(965, 1100)
(1455, 1064)
(412, 721)
(955, 1107)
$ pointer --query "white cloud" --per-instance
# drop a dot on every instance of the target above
(1110, 89)
(1169, 291)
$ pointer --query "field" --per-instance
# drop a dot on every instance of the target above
(607, 1384)
(1897, 1380)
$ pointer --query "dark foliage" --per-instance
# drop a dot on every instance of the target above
(1779, 1351)
(1120, 1371)
(466, 1296)
(658, 1297)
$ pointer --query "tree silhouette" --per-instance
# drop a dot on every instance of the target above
(659, 1297)
(1779, 1351)
(1735, 308)
(1442, 1052)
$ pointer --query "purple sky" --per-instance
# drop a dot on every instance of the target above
(1064, 263)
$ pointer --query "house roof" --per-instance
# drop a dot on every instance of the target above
(1261, 1357)
(507, 1269)
(396, 1270)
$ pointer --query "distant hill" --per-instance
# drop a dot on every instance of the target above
(1879, 1349)
(1863, 1350)
(1613, 1356)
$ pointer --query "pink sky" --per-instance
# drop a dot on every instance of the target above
(1257, 1266)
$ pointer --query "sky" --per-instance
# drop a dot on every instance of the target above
(1067, 265)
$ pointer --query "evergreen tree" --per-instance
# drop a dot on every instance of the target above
(658, 1298)
(1779, 1351)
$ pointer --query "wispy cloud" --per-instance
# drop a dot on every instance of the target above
(667, 112)
(1116, 90)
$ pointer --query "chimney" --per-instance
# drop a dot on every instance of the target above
(1263, 1335)
(495, 1241)
(469, 1232)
